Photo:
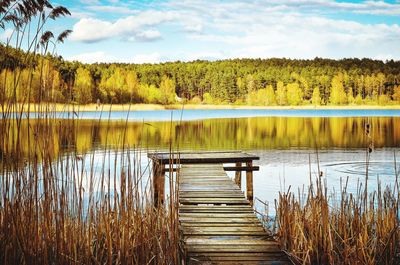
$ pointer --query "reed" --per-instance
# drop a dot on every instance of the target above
(67, 210)
(69, 207)
(317, 227)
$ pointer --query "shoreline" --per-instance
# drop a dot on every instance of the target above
(58, 107)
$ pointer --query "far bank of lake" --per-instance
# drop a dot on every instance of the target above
(59, 107)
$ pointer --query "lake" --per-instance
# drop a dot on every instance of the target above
(287, 141)
(185, 115)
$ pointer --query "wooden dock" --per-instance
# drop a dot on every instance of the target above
(217, 221)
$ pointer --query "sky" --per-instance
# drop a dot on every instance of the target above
(171, 30)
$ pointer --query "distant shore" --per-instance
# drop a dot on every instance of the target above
(58, 107)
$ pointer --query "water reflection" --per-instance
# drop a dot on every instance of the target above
(283, 143)
(258, 133)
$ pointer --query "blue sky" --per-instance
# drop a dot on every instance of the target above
(158, 31)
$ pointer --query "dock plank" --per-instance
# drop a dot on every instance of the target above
(217, 222)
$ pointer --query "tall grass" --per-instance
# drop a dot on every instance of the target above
(69, 210)
(318, 227)
(67, 207)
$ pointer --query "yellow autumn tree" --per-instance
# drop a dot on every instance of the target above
(338, 95)
(167, 90)
(294, 94)
(281, 94)
(83, 86)
(396, 94)
(316, 97)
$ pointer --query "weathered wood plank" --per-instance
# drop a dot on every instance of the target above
(209, 194)
(243, 261)
(213, 201)
(251, 224)
(217, 222)
(202, 157)
(223, 248)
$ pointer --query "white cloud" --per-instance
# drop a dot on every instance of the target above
(383, 57)
(93, 30)
(261, 28)
(154, 57)
(90, 2)
(205, 55)
(6, 35)
(147, 35)
(113, 9)
(93, 57)
(105, 57)
(194, 28)
(79, 14)
(367, 7)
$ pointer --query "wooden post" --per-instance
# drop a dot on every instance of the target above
(238, 175)
(249, 182)
(158, 182)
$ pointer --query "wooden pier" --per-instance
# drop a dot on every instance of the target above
(217, 220)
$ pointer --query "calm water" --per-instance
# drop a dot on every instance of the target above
(285, 140)
(187, 115)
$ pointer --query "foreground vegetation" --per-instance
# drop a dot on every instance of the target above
(344, 228)
(65, 208)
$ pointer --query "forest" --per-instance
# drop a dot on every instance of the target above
(266, 82)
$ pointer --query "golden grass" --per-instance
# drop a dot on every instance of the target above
(345, 228)
(54, 210)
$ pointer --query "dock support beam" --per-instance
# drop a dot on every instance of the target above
(249, 182)
(158, 183)
(238, 175)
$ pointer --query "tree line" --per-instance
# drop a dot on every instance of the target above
(237, 81)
